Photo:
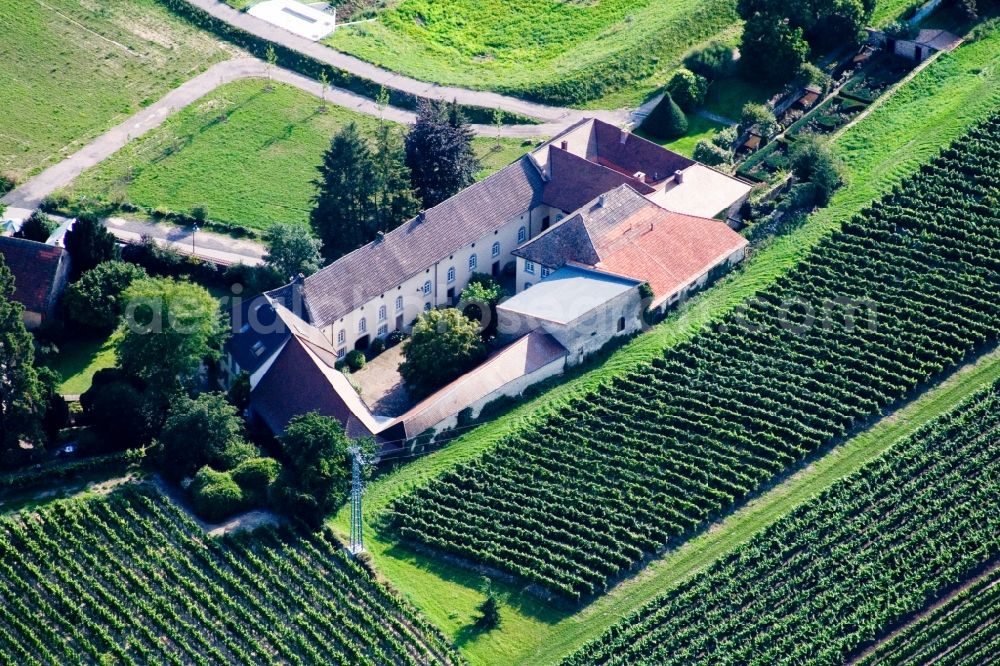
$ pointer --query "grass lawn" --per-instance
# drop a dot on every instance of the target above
(73, 68)
(953, 93)
(887, 11)
(522, 46)
(698, 128)
(79, 359)
(247, 155)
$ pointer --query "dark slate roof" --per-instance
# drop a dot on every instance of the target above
(581, 236)
(382, 265)
(36, 268)
(257, 333)
(574, 180)
(630, 153)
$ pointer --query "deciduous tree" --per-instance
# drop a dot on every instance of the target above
(292, 250)
(443, 345)
(206, 430)
(95, 300)
(21, 394)
(317, 471)
(169, 328)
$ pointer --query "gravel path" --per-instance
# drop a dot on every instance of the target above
(261, 28)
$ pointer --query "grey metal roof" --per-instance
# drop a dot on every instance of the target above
(257, 333)
(384, 264)
(567, 294)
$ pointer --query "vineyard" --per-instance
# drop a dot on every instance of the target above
(897, 297)
(131, 580)
(827, 580)
(966, 630)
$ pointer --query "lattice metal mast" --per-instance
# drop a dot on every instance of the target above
(357, 539)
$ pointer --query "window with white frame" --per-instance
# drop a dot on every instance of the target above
(529, 267)
(341, 337)
(496, 249)
(341, 352)
(382, 316)
(451, 274)
(383, 329)
(362, 325)
(399, 304)
(427, 307)
(522, 235)
(545, 272)
(427, 288)
(473, 262)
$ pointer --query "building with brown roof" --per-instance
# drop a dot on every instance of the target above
(624, 233)
(566, 206)
(427, 261)
(40, 274)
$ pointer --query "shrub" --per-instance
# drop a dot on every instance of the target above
(95, 300)
(666, 121)
(38, 227)
(119, 411)
(215, 496)
(711, 61)
(758, 118)
(378, 346)
(355, 360)
(708, 153)
(394, 338)
(255, 477)
(687, 89)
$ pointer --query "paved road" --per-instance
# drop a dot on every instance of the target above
(207, 245)
(550, 114)
(29, 195)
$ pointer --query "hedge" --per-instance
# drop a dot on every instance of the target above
(37, 477)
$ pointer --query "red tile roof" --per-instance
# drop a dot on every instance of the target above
(668, 250)
(36, 268)
(573, 180)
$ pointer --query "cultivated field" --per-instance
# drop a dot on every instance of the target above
(964, 630)
(894, 299)
(247, 155)
(73, 68)
(830, 578)
(130, 579)
(905, 130)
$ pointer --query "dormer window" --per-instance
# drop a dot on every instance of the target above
(257, 348)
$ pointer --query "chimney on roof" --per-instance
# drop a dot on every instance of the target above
(564, 145)
(624, 137)
(640, 176)
(600, 201)
(420, 216)
(679, 176)
(379, 236)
